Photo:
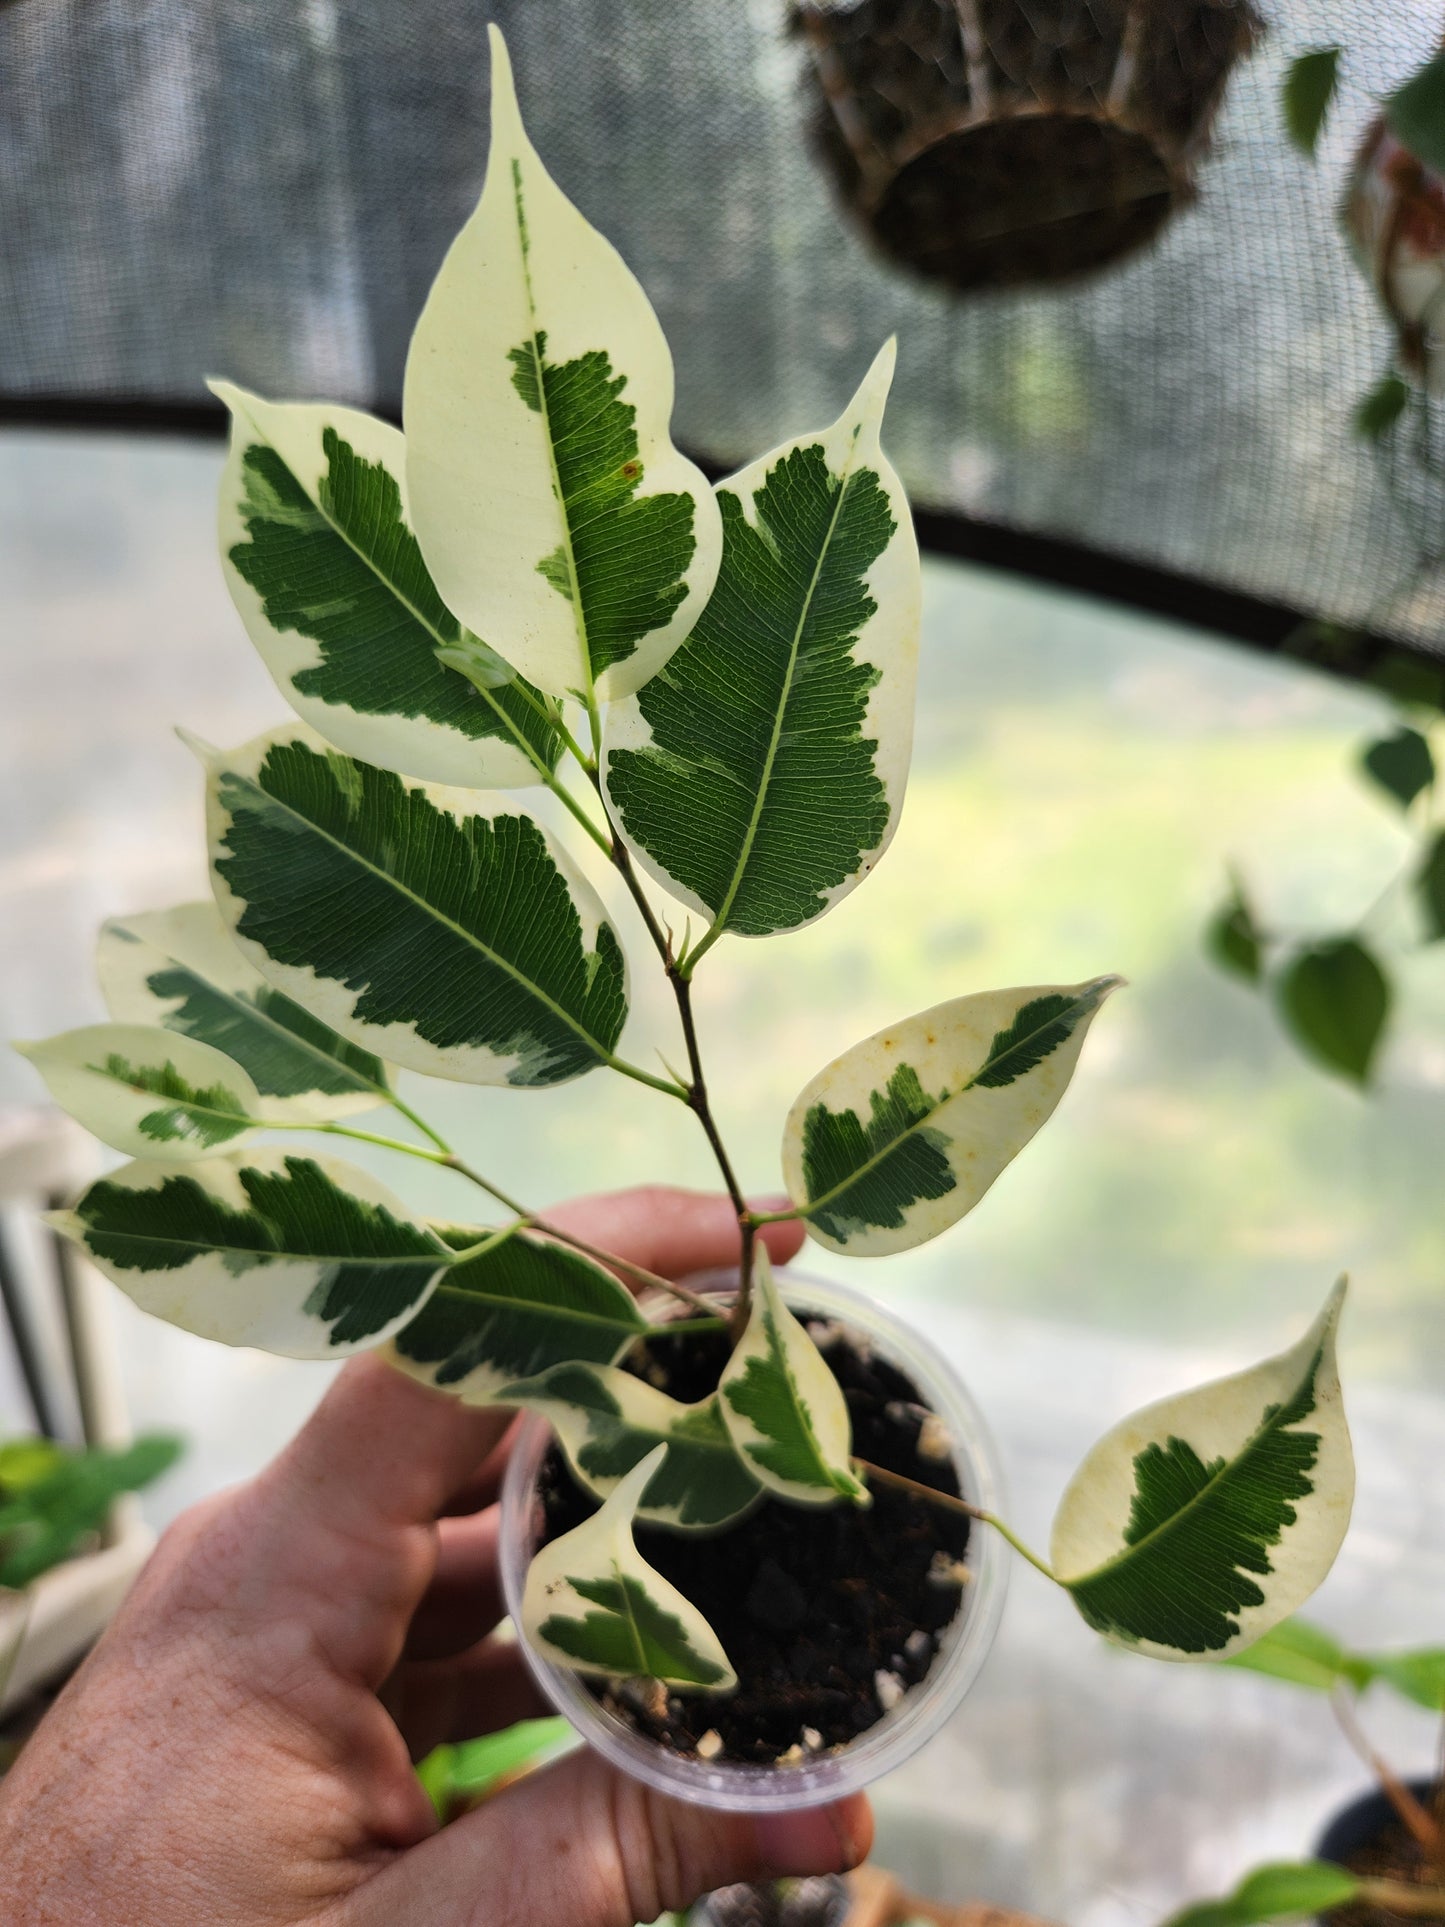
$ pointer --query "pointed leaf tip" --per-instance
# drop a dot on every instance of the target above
(206, 754)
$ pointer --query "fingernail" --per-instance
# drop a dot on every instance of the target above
(810, 1840)
(780, 1201)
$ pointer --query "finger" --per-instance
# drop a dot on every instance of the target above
(464, 1600)
(581, 1843)
(484, 1486)
(669, 1231)
(439, 1702)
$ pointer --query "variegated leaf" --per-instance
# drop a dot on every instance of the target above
(182, 968)
(903, 1134)
(148, 1092)
(514, 1310)
(442, 930)
(784, 1408)
(593, 1604)
(760, 775)
(325, 571)
(609, 1421)
(1202, 1521)
(305, 1256)
(553, 511)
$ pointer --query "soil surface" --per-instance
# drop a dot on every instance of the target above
(828, 1614)
(1391, 1855)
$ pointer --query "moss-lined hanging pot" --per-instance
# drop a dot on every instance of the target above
(994, 143)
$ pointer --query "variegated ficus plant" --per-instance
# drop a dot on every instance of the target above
(533, 587)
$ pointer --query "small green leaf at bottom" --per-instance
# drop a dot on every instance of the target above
(1289, 1890)
(592, 1603)
(1335, 999)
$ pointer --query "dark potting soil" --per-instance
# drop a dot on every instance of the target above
(812, 1604)
(1393, 1854)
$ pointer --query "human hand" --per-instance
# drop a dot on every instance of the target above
(238, 1746)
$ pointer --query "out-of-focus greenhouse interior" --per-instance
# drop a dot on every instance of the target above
(1172, 591)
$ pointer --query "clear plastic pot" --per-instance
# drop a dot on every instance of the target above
(738, 1787)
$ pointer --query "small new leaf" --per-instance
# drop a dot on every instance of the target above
(1401, 764)
(440, 929)
(1202, 1521)
(323, 567)
(305, 1256)
(555, 515)
(148, 1092)
(514, 1310)
(1309, 87)
(1290, 1890)
(609, 1421)
(784, 1408)
(1381, 407)
(760, 775)
(901, 1136)
(592, 1603)
(1335, 997)
(181, 968)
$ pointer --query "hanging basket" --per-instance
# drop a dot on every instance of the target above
(996, 143)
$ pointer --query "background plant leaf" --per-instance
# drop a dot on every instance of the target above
(901, 1136)
(323, 567)
(593, 1604)
(305, 1256)
(1289, 1890)
(1202, 1521)
(1429, 886)
(1234, 939)
(444, 930)
(512, 1312)
(760, 775)
(1380, 407)
(44, 1518)
(1305, 1655)
(1400, 764)
(1310, 84)
(1415, 114)
(784, 1408)
(554, 513)
(1334, 997)
(182, 969)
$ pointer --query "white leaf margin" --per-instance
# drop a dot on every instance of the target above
(481, 479)
(888, 641)
(1218, 1419)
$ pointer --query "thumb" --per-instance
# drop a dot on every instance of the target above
(581, 1843)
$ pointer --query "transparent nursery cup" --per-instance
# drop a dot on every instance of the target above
(740, 1787)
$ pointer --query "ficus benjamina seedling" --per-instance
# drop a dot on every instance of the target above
(533, 587)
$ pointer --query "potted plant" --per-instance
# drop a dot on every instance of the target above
(534, 587)
(54, 1501)
(1382, 1859)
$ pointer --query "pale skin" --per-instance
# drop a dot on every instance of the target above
(238, 1747)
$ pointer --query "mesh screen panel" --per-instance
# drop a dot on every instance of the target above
(263, 188)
